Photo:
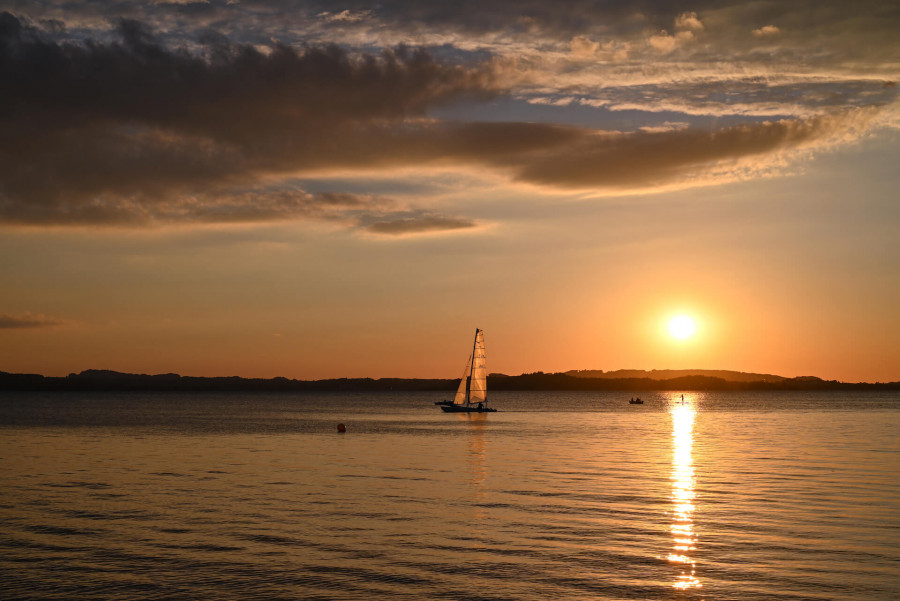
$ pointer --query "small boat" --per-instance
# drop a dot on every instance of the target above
(636, 401)
(471, 397)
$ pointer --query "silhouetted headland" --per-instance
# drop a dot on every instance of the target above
(636, 380)
(668, 374)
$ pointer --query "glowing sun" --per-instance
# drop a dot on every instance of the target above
(682, 327)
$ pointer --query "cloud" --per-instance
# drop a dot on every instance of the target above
(420, 224)
(664, 43)
(130, 131)
(713, 91)
(666, 126)
(583, 46)
(137, 78)
(493, 24)
(344, 15)
(644, 159)
(276, 202)
(688, 20)
(27, 321)
(766, 30)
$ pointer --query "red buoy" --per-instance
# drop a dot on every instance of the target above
(342, 428)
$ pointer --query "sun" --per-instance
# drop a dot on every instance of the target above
(682, 327)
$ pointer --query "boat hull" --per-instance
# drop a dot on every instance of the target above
(464, 409)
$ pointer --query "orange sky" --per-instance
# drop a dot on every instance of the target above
(565, 187)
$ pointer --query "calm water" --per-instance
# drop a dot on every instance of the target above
(558, 496)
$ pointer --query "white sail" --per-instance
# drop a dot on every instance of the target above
(478, 384)
(460, 398)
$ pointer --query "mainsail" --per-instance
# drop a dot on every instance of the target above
(478, 384)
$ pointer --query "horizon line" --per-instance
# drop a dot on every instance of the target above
(568, 373)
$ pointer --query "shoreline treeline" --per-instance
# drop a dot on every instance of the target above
(101, 380)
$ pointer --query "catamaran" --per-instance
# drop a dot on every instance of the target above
(471, 397)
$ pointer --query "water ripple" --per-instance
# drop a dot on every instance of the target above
(236, 497)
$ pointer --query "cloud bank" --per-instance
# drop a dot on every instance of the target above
(131, 131)
(211, 112)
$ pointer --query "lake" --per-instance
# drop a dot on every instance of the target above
(557, 496)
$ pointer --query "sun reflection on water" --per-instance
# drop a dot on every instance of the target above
(475, 459)
(682, 528)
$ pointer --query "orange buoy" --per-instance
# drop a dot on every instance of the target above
(342, 428)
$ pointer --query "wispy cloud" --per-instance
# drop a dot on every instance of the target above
(344, 15)
(420, 224)
(28, 321)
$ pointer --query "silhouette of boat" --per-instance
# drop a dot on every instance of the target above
(636, 401)
(471, 397)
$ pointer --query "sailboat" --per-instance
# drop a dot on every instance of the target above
(471, 397)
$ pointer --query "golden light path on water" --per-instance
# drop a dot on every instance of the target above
(682, 528)
(476, 468)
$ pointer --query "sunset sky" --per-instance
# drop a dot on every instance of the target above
(328, 189)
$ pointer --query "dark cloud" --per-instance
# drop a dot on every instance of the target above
(27, 321)
(138, 79)
(645, 159)
(93, 128)
(573, 157)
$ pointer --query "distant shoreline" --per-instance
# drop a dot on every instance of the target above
(104, 380)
